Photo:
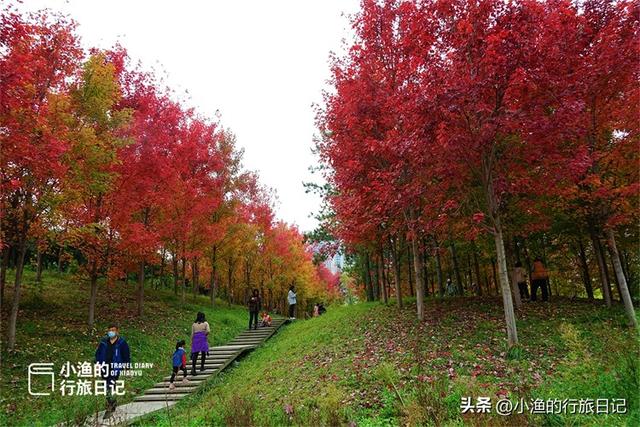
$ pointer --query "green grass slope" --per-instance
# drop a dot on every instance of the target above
(52, 328)
(373, 365)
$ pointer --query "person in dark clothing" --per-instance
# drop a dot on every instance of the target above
(255, 304)
(321, 309)
(112, 350)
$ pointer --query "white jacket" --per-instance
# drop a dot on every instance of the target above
(292, 297)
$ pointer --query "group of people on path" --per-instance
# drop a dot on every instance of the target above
(539, 280)
(113, 349)
(200, 331)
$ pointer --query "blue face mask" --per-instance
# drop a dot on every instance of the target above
(111, 334)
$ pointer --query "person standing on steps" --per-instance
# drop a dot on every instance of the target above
(112, 350)
(292, 299)
(539, 279)
(199, 344)
(179, 360)
(255, 304)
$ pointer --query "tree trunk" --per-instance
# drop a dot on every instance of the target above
(495, 276)
(602, 267)
(417, 265)
(194, 276)
(383, 277)
(512, 332)
(162, 264)
(367, 279)
(409, 267)
(395, 253)
(13, 317)
(377, 281)
(212, 284)
(140, 299)
(93, 283)
(38, 265)
(456, 268)
(477, 268)
(624, 289)
(183, 282)
(174, 262)
(425, 272)
(585, 270)
(3, 273)
(60, 259)
(439, 272)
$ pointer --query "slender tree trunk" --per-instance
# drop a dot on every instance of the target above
(624, 289)
(439, 272)
(93, 284)
(602, 267)
(212, 284)
(510, 317)
(425, 272)
(60, 259)
(495, 276)
(456, 268)
(140, 299)
(367, 279)
(409, 267)
(417, 265)
(615, 276)
(194, 276)
(13, 317)
(395, 253)
(38, 265)
(585, 270)
(469, 274)
(3, 273)
(377, 282)
(174, 262)
(163, 262)
(382, 276)
(477, 268)
(183, 282)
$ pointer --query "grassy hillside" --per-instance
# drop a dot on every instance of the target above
(372, 365)
(52, 328)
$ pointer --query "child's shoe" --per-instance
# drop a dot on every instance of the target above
(185, 380)
(172, 386)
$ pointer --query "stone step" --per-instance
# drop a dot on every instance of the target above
(160, 397)
(178, 382)
(230, 347)
(198, 378)
(165, 390)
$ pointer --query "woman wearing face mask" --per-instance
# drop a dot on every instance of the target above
(199, 344)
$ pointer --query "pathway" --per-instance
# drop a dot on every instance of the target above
(160, 397)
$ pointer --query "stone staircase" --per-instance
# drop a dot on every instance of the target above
(160, 397)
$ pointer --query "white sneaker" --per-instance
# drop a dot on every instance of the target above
(172, 386)
(185, 380)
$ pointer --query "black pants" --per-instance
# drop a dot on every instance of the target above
(111, 384)
(253, 319)
(175, 371)
(292, 310)
(524, 290)
(194, 359)
(542, 284)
